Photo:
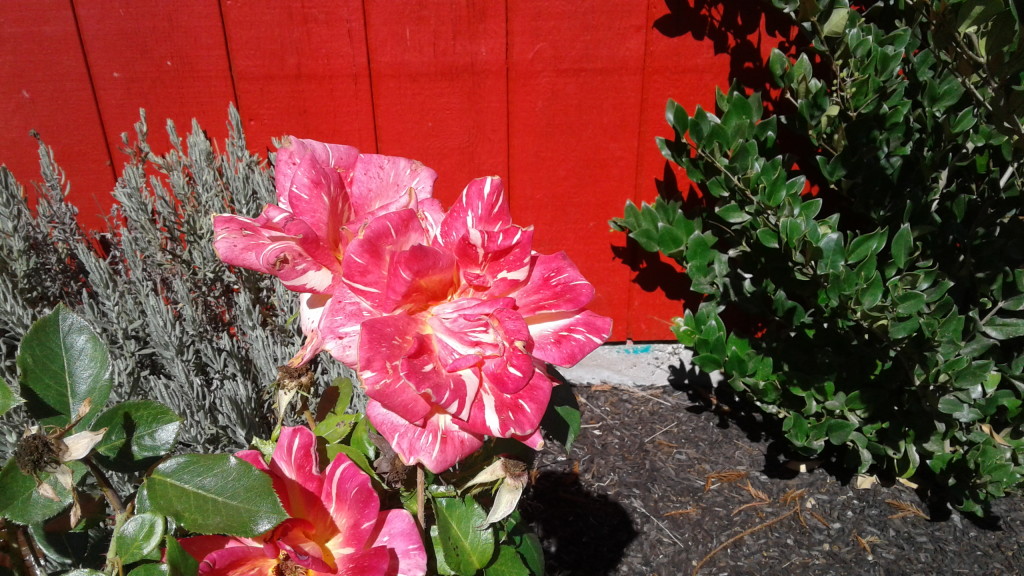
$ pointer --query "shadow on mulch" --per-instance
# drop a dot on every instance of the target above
(584, 533)
(658, 485)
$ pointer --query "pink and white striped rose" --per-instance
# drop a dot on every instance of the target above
(450, 318)
(336, 525)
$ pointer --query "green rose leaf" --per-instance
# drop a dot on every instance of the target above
(435, 542)
(215, 494)
(138, 432)
(139, 538)
(562, 419)
(151, 569)
(468, 543)
(179, 562)
(8, 399)
(533, 553)
(62, 363)
(22, 503)
(507, 563)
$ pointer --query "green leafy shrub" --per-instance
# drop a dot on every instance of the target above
(871, 228)
(185, 329)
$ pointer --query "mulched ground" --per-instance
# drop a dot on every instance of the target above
(658, 485)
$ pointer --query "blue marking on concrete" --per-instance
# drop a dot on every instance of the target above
(637, 349)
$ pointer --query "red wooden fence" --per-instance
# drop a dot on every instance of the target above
(561, 98)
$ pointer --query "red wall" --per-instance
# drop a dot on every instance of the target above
(561, 98)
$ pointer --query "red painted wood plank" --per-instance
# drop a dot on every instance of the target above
(439, 86)
(681, 64)
(300, 68)
(46, 88)
(167, 57)
(575, 77)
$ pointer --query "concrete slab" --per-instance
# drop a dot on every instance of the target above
(630, 365)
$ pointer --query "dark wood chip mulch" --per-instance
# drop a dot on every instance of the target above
(657, 485)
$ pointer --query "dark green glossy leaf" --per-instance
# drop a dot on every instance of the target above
(507, 563)
(1014, 304)
(732, 214)
(63, 362)
(1004, 328)
(839, 431)
(778, 63)
(20, 500)
(441, 566)
(8, 399)
(866, 245)
(900, 330)
(910, 302)
(150, 569)
(832, 253)
(532, 553)
(901, 245)
(138, 432)
(871, 293)
(215, 494)
(836, 23)
(179, 562)
(467, 542)
(562, 419)
(768, 237)
(138, 538)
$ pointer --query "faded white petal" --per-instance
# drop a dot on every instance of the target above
(79, 445)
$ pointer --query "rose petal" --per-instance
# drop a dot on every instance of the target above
(383, 342)
(397, 531)
(510, 415)
(482, 206)
(295, 470)
(368, 261)
(309, 182)
(382, 184)
(555, 285)
(231, 560)
(564, 338)
(353, 506)
(438, 444)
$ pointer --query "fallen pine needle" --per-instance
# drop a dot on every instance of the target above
(793, 496)
(680, 512)
(749, 505)
(904, 509)
(820, 519)
(757, 494)
(669, 427)
(866, 543)
(722, 478)
(743, 534)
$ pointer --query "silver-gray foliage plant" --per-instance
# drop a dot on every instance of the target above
(184, 329)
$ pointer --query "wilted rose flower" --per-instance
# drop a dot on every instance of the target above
(325, 192)
(336, 525)
(457, 322)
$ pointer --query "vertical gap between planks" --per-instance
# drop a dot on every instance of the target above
(227, 54)
(92, 86)
(631, 287)
(508, 110)
(369, 81)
